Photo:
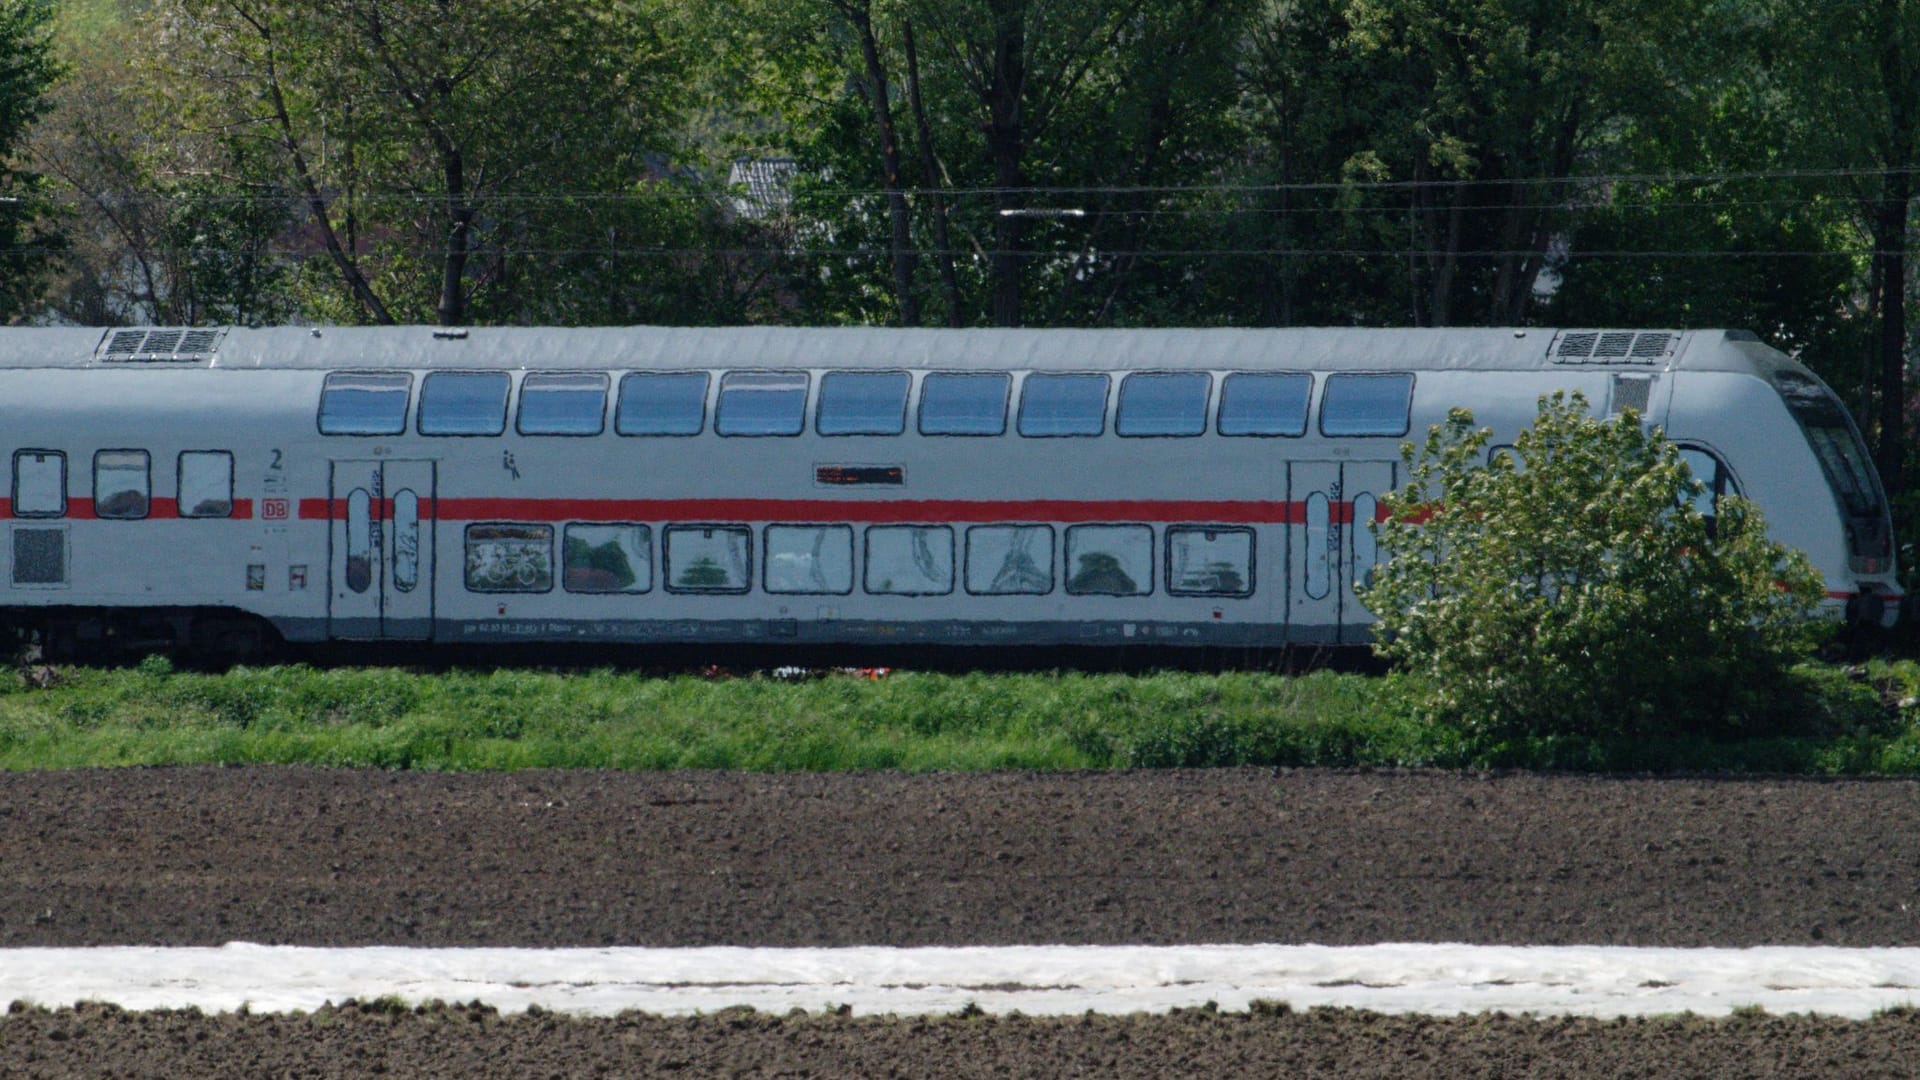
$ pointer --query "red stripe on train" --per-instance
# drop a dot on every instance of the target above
(157, 510)
(1225, 512)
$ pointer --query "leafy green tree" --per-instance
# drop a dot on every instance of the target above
(1574, 587)
(28, 67)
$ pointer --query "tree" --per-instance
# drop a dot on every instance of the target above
(28, 67)
(427, 141)
(1575, 587)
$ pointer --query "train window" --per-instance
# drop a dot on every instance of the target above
(762, 403)
(1110, 560)
(1319, 561)
(1366, 543)
(607, 559)
(707, 558)
(563, 403)
(509, 558)
(364, 403)
(206, 484)
(122, 484)
(1209, 561)
(862, 403)
(39, 483)
(673, 403)
(810, 559)
(952, 403)
(1010, 560)
(1366, 404)
(359, 540)
(1264, 403)
(1163, 403)
(909, 560)
(406, 540)
(1053, 406)
(1714, 478)
(464, 403)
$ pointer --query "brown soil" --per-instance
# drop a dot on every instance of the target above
(304, 856)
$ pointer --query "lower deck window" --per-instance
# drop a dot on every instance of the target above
(910, 560)
(120, 484)
(1110, 560)
(707, 558)
(1209, 562)
(607, 559)
(1007, 560)
(39, 483)
(509, 558)
(810, 559)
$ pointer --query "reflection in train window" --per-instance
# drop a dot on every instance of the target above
(464, 403)
(359, 540)
(364, 403)
(206, 484)
(1264, 403)
(1203, 561)
(809, 559)
(563, 403)
(122, 484)
(1366, 543)
(509, 558)
(762, 403)
(1010, 560)
(39, 483)
(909, 560)
(1062, 405)
(862, 403)
(1366, 404)
(1163, 403)
(707, 558)
(607, 559)
(673, 403)
(952, 403)
(1110, 560)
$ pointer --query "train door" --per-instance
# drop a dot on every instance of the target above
(1331, 546)
(380, 573)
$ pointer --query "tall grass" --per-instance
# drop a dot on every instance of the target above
(515, 719)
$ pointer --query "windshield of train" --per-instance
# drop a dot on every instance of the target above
(1843, 457)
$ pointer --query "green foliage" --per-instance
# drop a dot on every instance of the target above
(1574, 587)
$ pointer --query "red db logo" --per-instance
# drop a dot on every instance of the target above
(273, 509)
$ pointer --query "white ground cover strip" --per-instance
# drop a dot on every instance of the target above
(1039, 980)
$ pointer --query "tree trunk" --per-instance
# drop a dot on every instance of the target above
(904, 257)
(1890, 262)
(949, 280)
(1006, 148)
(453, 266)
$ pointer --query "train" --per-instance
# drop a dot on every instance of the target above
(228, 490)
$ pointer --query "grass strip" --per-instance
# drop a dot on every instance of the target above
(1852, 721)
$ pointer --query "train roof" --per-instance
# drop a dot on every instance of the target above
(1305, 348)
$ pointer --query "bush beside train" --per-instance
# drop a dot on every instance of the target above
(219, 489)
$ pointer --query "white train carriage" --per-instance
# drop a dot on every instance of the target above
(823, 486)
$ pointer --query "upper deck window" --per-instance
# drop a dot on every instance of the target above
(672, 403)
(762, 403)
(206, 484)
(964, 404)
(563, 403)
(1264, 403)
(364, 403)
(1367, 404)
(863, 403)
(122, 483)
(1163, 403)
(1052, 406)
(464, 403)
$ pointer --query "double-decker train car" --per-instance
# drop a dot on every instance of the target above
(224, 488)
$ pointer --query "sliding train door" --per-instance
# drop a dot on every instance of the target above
(380, 574)
(1331, 547)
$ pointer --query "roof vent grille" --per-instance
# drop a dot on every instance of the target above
(160, 346)
(1612, 346)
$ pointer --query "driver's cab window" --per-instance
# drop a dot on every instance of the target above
(1715, 481)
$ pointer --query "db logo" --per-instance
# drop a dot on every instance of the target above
(273, 509)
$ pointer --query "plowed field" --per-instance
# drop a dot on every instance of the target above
(315, 857)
